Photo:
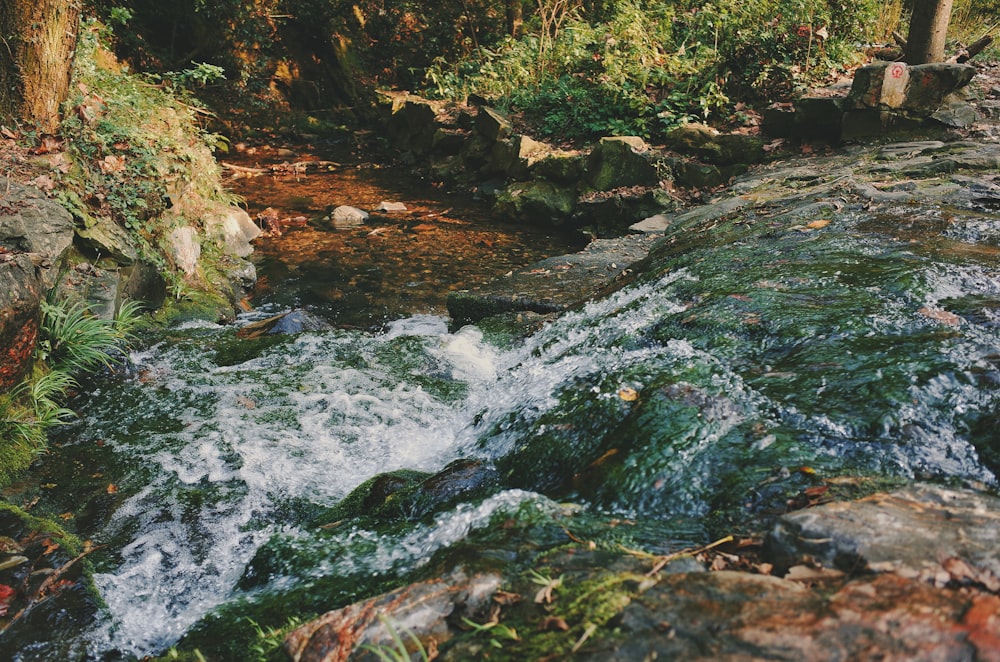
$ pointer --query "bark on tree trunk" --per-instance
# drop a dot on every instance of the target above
(928, 30)
(36, 58)
(515, 17)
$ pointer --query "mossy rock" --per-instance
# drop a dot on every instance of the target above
(537, 201)
(621, 161)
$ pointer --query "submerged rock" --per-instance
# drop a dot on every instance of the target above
(295, 321)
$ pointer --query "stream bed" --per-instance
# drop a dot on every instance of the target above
(231, 481)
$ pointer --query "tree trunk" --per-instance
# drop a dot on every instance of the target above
(928, 30)
(36, 59)
(515, 18)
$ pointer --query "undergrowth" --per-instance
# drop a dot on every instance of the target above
(72, 342)
(137, 155)
(650, 65)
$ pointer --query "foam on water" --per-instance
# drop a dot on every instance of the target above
(224, 448)
(309, 420)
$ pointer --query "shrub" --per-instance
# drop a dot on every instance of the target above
(652, 64)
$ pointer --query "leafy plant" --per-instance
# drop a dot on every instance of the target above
(648, 66)
(497, 631)
(72, 342)
(398, 651)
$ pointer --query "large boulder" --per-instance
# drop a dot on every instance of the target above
(919, 90)
(621, 161)
(536, 201)
(31, 223)
(412, 124)
(924, 531)
(231, 228)
(716, 148)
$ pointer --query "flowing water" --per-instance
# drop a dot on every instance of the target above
(708, 393)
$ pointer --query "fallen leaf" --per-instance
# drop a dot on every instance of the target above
(44, 182)
(544, 594)
(112, 163)
(506, 598)
(49, 546)
(112, 488)
(628, 394)
(940, 315)
(7, 133)
(48, 143)
(719, 563)
(818, 225)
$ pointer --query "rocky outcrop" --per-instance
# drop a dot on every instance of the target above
(537, 183)
(851, 580)
(885, 99)
(35, 233)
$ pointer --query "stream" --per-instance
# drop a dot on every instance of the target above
(219, 475)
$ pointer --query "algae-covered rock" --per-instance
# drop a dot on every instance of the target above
(621, 161)
(560, 167)
(107, 238)
(536, 202)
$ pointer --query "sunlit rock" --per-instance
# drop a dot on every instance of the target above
(390, 207)
(185, 248)
(232, 228)
(346, 216)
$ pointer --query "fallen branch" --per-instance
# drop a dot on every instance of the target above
(972, 50)
(243, 170)
(280, 168)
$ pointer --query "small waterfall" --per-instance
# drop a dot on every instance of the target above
(609, 406)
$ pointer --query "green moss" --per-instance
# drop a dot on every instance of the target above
(373, 498)
(15, 457)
